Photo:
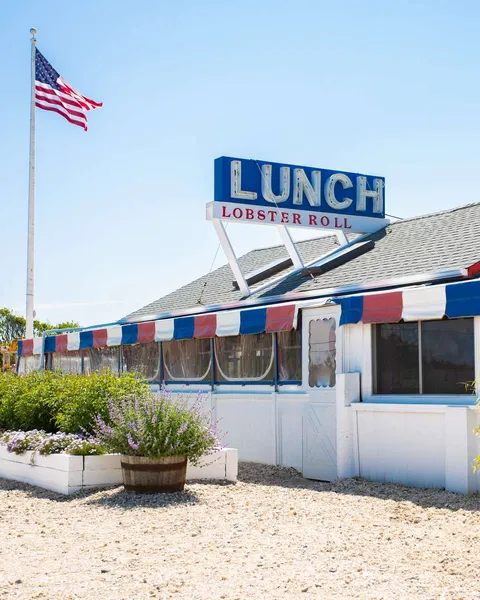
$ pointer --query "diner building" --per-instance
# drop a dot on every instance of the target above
(360, 363)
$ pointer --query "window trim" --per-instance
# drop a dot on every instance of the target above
(368, 367)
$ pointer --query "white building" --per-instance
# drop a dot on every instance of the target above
(357, 364)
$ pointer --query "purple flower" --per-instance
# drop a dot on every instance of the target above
(158, 424)
(19, 442)
(131, 443)
(104, 428)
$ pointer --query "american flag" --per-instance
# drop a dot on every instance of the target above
(52, 92)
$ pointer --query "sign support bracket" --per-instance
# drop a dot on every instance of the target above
(233, 261)
(231, 257)
(290, 246)
(342, 238)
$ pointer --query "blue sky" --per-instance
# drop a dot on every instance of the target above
(389, 88)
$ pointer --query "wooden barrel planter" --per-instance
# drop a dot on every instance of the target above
(147, 475)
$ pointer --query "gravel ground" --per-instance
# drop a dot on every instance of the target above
(272, 535)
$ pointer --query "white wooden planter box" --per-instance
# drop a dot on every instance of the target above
(68, 474)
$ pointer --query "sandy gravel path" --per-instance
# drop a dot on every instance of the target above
(273, 535)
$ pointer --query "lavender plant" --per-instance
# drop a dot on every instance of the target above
(158, 426)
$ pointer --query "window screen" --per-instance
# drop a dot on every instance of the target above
(431, 357)
(27, 364)
(101, 359)
(397, 366)
(187, 360)
(447, 356)
(322, 364)
(68, 362)
(289, 356)
(143, 359)
(245, 357)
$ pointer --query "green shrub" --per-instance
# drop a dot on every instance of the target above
(10, 387)
(53, 401)
(31, 401)
(77, 415)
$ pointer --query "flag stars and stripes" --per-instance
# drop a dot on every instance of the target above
(53, 93)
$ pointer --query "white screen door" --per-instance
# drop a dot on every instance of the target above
(321, 360)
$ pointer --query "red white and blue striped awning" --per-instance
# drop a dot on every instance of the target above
(281, 317)
(451, 300)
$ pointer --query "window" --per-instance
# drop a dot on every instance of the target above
(101, 359)
(430, 357)
(241, 358)
(27, 364)
(143, 359)
(397, 366)
(187, 360)
(68, 362)
(245, 357)
(322, 353)
(289, 356)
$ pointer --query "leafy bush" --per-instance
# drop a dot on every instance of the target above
(53, 401)
(32, 401)
(156, 426)
(20, 442)
(78, 414)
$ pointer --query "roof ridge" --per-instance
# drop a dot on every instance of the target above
(320, 237)
(436, 213)
(399, 220)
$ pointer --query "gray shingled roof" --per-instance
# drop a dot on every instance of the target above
(435, 242)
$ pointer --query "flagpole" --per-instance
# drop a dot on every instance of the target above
(31, 201)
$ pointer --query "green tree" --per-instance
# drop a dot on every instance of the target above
(12, 326)
(40, 327)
